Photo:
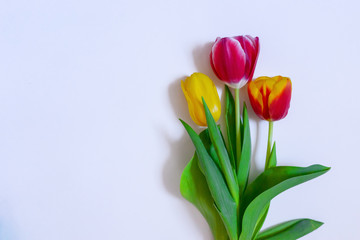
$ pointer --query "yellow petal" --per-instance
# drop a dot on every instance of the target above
(195, 87)
(278, 87)
(254, 91)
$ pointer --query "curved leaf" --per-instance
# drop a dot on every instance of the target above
(244, 163)
(272, 163)
(216, 183)
(194, 188)
(290, 230)
(225, 164)
(230, 124)
(261, 220)
(268, 185)
(205, 138)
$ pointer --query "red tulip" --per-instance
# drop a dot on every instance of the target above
(270, 97)
(233, 59)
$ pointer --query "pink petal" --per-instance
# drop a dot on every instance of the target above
(255, 55)
(250, 46)
(228, 59)
(212, 65)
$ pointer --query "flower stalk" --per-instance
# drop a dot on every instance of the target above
(237, 126)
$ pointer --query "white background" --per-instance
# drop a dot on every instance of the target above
(90, 142)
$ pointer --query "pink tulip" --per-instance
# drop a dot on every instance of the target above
(233, 59)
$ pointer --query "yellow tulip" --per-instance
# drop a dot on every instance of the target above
(196, 86)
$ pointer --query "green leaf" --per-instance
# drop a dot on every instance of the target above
(268, 185)
(290, 230)
(244, 163)
(230, 124)
(216, 183)
(205, 138)
(194, 188)
(217, 140)
(272, 157)
(261, 220)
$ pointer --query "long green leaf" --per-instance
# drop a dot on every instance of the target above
(261, 220)
(230, 124)
(290, 230)
(216, 183)
(194, 188)
(268, 185)
(244, 163)
(205, 138)
(218, 142)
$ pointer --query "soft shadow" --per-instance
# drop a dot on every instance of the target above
(181, 151)
(201, 56)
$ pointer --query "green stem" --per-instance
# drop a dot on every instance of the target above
(238, 140)
(237, 126)
(268, 151)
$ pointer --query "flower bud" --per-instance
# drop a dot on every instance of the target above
(270, 97)
(195, 87)
(233, 59)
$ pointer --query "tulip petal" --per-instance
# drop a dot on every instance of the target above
(195, 87)
(191, 105)
(256, 99)
(251, 48)
(254, 58)
(202, 86)
(228, 60)
(279, 99)
(270, 97)
(213, 67)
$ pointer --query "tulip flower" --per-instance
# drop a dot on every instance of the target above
(270, 97)
(233, 59)
(195, 87)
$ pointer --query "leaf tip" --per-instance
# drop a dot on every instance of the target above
(274, 147)
(182, 121)
(245, 107)
(315, 224)
(320, 168)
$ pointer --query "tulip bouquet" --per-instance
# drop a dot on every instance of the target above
(216, 178)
